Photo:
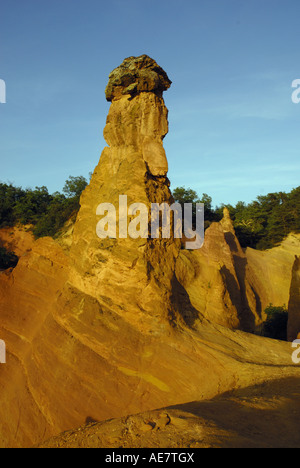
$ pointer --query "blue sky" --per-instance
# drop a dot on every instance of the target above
(234, 131)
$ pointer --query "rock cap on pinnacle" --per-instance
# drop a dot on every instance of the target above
(136, 75)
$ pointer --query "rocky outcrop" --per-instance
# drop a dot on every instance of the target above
(232, 286)
(272, 271)
(92, 319)
(101, 328)
(134, 165)
(136, 75)
(17, 239)
(294, 302)
(218, 280)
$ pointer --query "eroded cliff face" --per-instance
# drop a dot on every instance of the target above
(273, 271)
(232, 286)
(101, 328)
(218, 279)
(294, 303)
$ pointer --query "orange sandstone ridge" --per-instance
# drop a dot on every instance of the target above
(99, 329)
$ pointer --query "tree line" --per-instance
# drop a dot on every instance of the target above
(261, 224)
(45, 212)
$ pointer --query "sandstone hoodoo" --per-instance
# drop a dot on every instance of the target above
(97, 329)
(134, 164)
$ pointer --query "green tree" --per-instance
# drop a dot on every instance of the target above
(9, 196)
(32, 205)
(207, 201)
(47, 213)
(74, 186)
(276, 324)
(182, 195)
(61, 208)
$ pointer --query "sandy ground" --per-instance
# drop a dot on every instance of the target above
(264, 416)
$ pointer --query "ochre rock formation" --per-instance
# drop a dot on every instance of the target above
(134, 165)
(136, 75)
(294, 302)
(273, 271)
(101, 328)
(232, 286)
(218, 280)
(17, 239)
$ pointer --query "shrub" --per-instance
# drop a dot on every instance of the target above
(276, 324)
(46, 213)
(7, 259)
